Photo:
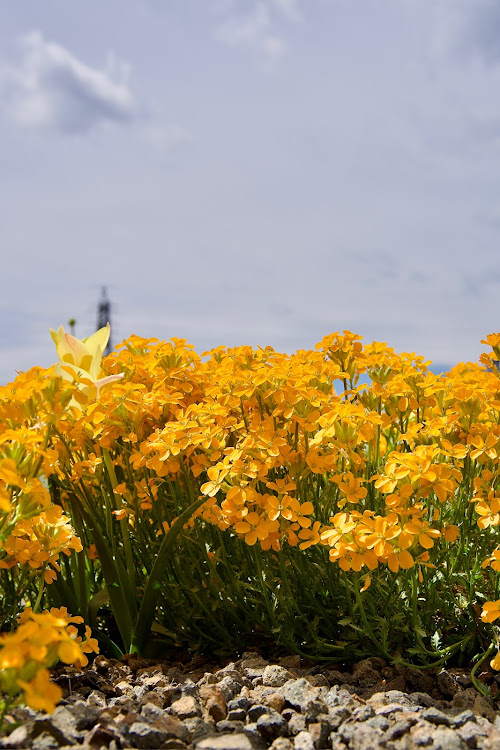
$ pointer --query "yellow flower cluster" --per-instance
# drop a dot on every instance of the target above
(39, 642)
(264, 431)
(285, 449)
(39, 541)
(33, 531)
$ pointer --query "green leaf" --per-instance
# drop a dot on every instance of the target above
(156, 627)
(117, 598)
(97, 601)
(145, 617)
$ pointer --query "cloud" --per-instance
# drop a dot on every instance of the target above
(256, 27)
(254, 30)
(53, 88)
(468, 28)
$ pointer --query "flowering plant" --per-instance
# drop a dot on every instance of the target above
(338, 502)
(38, 643)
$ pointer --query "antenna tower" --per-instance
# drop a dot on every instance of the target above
(104, 315)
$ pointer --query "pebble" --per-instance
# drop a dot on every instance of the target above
(275, 675)
(146, 736)
(303, 741)
(252, 704)
(237, 741)
(435, 716)
(186, 707)
(272, 725)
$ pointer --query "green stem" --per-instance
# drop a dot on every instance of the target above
(416, 623)
(124, 523)
(40, 593)
(480, 686)
(142, 627)
(5, 704)
(367, 625)
(269, 606)
(109, 565)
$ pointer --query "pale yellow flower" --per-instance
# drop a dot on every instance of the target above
(80, 360)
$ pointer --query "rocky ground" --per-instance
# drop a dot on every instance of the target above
(251, 704)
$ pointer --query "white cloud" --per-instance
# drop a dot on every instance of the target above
(53, 88)
(253, 30)
(255, 25)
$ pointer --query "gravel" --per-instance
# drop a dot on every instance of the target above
(251, 704)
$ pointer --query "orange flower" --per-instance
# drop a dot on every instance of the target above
(402, 559)
(41, 693)
(491, 611)
(310, 536)
(255, 527)
(376, 534)
(351, 488)
(495, 662)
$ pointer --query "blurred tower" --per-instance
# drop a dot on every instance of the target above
(104, 315)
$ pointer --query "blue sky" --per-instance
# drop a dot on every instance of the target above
(251, 172)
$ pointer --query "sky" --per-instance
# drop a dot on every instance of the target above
(259, 172)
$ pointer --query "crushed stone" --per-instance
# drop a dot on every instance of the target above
(253, 704)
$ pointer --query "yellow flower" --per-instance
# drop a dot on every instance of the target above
(5, 504)
(366, 584)
(69, 652)
(491, 611)
(216, 474)
(488, 509)
(81, 360)
(282, 486)
(484, 449)
(351, 487)
(402, 559)
(49, 575)
(84, 355)
(9, 473)
(495, 663)
(451, 532)
(417, 529)
(256, 527)
(11, 657)
(41, 693)
(378, 533)
(311, 536)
